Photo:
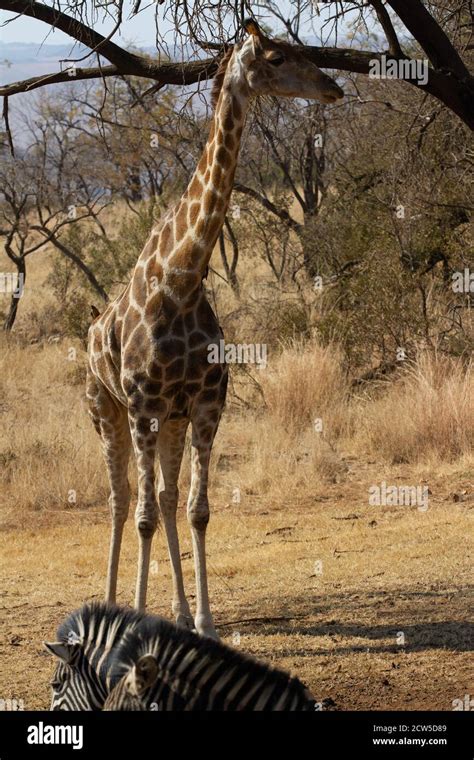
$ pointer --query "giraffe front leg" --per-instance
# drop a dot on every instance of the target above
(170, 449)
(198, 517)
(146, 513)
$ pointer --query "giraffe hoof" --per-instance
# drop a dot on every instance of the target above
(185, 621)
(211, 633)
(207, 629)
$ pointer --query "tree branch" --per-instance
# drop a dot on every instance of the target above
(33, 83)
(266, 203)
(165, 73)
(386, 24)
(7, 125)
(51, 237)
(456, 94)
(427, 32)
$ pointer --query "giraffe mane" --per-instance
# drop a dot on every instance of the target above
(219, 76)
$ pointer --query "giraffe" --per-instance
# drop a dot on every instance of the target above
(148, 373)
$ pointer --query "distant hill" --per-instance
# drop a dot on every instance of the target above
(22, 60)
(32, 52)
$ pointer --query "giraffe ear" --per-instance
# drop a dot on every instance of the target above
(250, 49)
(251, 27)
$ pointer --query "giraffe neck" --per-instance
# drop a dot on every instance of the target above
(188, 238)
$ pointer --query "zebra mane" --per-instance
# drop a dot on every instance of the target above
(162, 639)
(125, 635)
(98, 625)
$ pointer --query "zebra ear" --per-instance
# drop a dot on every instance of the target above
(144, 674)
(66, 652)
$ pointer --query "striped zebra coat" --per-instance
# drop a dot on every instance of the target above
(125, 660)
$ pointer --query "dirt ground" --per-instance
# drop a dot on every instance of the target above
(367, 605)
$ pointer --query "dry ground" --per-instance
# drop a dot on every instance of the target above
(385, 571)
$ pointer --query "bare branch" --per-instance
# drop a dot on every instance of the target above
(165, 73)
(61, 76)
(390, 33)
(267, 204)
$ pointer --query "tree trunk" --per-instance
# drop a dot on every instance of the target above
(309, 245)
(12, 312)
(134, 184)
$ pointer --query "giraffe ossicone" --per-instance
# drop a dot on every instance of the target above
(149, 376)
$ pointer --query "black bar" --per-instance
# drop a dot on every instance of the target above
(318, 735)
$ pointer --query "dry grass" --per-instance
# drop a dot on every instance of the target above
(49, 453)
(304, 384)
(51, 459)
(427, 415)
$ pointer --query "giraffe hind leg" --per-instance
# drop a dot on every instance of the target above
(111, 422)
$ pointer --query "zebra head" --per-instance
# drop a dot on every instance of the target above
(75, 684)
(129, 693)
(86, 642)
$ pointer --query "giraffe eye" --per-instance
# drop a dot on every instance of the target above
(277, 60)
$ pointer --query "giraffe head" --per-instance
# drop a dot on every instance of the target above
(274, 67)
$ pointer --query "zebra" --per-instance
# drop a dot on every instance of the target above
(162, 667)
(85, 642)
(117, 659)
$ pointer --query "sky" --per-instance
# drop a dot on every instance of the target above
(138, 30)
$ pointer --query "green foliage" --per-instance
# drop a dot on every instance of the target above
(76, 316)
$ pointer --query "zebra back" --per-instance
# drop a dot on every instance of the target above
(187, 672)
